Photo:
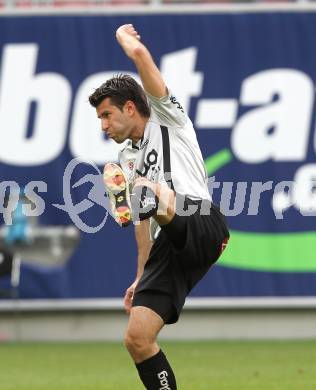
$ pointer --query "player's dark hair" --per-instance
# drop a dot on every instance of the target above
(120, 89)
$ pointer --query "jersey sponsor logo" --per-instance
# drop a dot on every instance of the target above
(162, 376)
(149, 163)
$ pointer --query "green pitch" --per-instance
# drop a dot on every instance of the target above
(198, 366)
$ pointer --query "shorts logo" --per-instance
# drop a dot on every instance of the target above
(162, 376)
(224, 245)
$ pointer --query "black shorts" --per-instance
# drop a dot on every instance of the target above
(181, 255)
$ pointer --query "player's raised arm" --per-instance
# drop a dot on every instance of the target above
(152, 80)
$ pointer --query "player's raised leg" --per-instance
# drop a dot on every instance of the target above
(153, 200)
(117, 189)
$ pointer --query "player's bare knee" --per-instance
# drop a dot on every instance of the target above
(136, 343)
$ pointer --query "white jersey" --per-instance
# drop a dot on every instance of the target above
(168, 152)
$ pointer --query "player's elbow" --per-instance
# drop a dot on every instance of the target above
(139, 52)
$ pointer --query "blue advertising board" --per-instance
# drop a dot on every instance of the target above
(247, 82)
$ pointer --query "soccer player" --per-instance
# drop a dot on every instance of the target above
(179, 232)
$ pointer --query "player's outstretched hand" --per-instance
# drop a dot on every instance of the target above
(128, 298)
(128, 38)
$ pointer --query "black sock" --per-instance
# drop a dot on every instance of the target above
(156, 373)
(144, 203)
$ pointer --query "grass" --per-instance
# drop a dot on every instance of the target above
(198, 366)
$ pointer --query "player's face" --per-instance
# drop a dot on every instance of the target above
(115, 123)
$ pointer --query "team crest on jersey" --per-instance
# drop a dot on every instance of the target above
(131, 164)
